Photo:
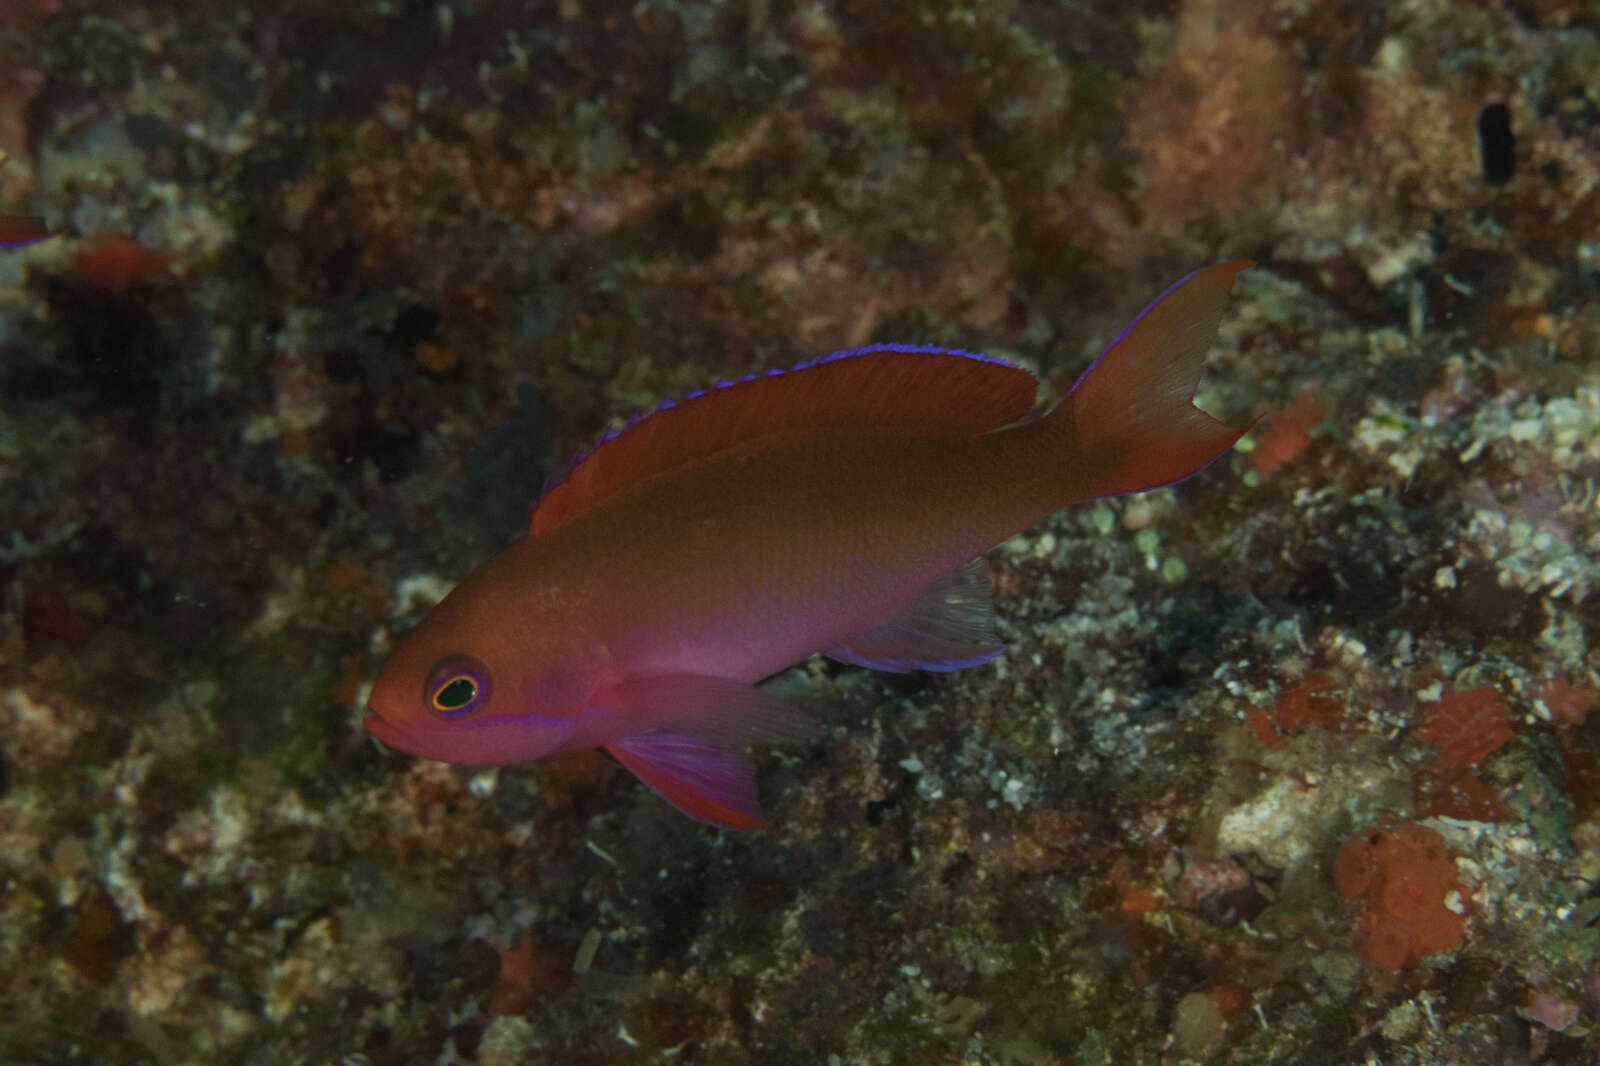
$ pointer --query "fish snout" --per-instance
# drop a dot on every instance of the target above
(391, 734)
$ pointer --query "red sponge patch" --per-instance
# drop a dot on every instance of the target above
(1415, 904)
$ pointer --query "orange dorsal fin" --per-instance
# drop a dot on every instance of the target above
(892, 387)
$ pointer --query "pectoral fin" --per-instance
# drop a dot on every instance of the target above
(717, 709)
(949, 627)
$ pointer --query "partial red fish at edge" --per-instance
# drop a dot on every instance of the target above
(18, 231)
(115, 262)
(840, 507)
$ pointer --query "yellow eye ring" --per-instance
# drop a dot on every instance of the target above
(455, 693)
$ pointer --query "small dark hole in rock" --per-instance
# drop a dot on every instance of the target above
(1496, 144)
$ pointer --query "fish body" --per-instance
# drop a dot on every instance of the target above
(115, 262)
(17, 231)
(841, 507)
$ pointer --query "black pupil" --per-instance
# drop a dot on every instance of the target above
(458, 693)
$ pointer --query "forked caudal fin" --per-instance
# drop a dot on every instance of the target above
(1131, 416)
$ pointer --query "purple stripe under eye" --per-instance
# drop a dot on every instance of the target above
(528, 720)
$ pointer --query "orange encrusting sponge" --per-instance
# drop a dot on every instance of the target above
(1408, 879)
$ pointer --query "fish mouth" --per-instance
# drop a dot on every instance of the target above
(392, 736)
(462, 747)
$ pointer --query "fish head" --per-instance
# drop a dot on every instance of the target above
(458, 689)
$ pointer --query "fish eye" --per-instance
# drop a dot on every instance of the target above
(458, 685)
(456, 694)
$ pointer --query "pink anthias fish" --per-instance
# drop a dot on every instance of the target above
(17, 231)
(839, 507)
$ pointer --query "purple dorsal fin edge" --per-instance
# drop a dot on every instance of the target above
(556, 477)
